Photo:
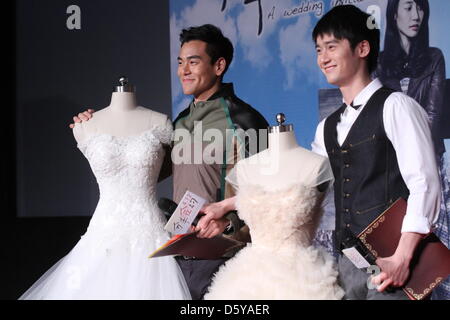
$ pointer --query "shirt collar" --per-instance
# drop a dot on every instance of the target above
(225, 90)
(365, 94)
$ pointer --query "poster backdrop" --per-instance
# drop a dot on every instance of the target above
(274, 67)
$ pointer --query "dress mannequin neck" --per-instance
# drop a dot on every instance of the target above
(283, 163)
(282, 141)
(123, 101)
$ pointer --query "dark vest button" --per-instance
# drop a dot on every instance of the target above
(347, 165)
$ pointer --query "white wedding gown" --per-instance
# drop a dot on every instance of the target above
(111, 259)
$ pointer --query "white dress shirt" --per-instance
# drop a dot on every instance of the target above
(406, 126)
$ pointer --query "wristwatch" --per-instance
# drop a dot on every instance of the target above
(235, 223)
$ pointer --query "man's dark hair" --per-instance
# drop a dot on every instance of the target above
(349, 22)
(217, 45)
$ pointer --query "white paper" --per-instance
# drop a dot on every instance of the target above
(185, 213)
(356, 258)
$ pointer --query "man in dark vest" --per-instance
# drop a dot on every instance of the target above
(380, 148)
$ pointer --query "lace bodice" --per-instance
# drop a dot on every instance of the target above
(110, 262)
(127, 169)
(280, 220)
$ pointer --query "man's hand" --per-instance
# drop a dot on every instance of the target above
(83, 116)
(395, 269)
(212, 229)
(214, 211)
(395, 272)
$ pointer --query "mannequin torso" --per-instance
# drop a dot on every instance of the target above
(123, 117)
(284, 163)
(280, 205)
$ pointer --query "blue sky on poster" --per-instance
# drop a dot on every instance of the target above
(276, 71)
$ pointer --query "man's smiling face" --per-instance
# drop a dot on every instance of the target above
(336, 59)
(197, 75)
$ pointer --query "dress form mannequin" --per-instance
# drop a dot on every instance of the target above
(123, 117)
(278, 200)
(125, 147)
(284, 162)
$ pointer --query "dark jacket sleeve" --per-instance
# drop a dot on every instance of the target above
(246, 117)
(434, 105)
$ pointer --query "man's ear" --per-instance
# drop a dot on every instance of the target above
(363, 49)
(220, 66)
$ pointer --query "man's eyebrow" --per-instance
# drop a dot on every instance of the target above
(328, 42)
(331, 41)
(193, 57)
(190, 57)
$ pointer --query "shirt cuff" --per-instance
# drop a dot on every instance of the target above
(417, 224)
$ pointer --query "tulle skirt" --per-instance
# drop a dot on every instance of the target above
(113, 264)
(257, 273)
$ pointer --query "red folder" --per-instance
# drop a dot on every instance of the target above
(431, 262)
(189, 244)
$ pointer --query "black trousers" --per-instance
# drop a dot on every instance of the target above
(198, 274)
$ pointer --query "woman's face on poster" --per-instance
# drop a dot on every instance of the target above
(409, 18)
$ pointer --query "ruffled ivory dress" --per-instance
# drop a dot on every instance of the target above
(280, 263)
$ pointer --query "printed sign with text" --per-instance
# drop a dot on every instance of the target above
(185, 213)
